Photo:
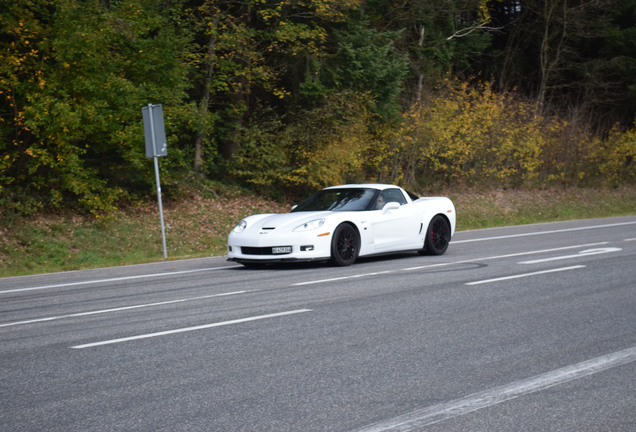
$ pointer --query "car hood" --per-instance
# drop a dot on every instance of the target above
(284, 221)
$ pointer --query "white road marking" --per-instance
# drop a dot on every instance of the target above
(630, 239)
(89, 282)
(505, 256)
(583, 253)
(544, 232)
(342, 278)
(189, 329)
(42, 287)
(416, 420)
(123, 308)
(472, 260)
(525, 275)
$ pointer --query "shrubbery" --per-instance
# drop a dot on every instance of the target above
(463, 134)
(287, 97)
(324, 146)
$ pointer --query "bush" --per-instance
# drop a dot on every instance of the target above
(474, 136)
(464, 135)
(321, 147)
(615, 157)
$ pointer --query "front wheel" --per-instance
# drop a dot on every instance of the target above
(345, 245)
(438, 236)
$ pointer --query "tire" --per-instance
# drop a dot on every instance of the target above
(345, 245)
(438, 236)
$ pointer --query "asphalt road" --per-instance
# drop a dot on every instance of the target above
(529, 328)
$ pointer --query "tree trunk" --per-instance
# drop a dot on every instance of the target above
(202, 131)
(551, 45)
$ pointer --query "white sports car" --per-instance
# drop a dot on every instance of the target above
(342, 223)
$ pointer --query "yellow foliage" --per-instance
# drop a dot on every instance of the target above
(462, 135)
(616, 158)
(471, 134)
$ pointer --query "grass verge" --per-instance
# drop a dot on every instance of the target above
(198, 224)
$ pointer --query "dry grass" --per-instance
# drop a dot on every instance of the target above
(198, 224)
(499, 207)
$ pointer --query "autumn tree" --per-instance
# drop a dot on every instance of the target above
(73, 81)
(243, 54)
(567, 54)
(437, 38)
(364, 61)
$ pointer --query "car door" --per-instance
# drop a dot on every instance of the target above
(395, 227)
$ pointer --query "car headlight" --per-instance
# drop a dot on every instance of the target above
(308, 226)
(240, 227)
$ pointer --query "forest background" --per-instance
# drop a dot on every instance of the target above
(286, 97)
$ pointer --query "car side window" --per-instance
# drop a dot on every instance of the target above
(381, 200)
(394, 195)
(390, 195)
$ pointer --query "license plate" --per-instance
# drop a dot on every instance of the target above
(281, 250)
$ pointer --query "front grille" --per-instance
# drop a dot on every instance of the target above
(248, 250)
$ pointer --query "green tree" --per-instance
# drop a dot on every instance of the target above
(323, 146)
(574, 57)
(437, 38)
(245, 54)
(81, 71)
(610, 74)
(364, 61)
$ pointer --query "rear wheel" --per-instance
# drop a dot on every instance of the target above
(438, 236)
(345, 245)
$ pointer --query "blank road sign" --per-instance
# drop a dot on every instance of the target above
(154, 131)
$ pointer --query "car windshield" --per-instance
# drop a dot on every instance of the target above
(354, 199)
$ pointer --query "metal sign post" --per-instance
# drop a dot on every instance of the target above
(156, 146)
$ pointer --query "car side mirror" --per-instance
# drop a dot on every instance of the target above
(390, 206)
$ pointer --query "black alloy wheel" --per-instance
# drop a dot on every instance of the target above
(345, 245)
(438, 236)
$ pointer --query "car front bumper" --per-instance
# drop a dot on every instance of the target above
(270, 249)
